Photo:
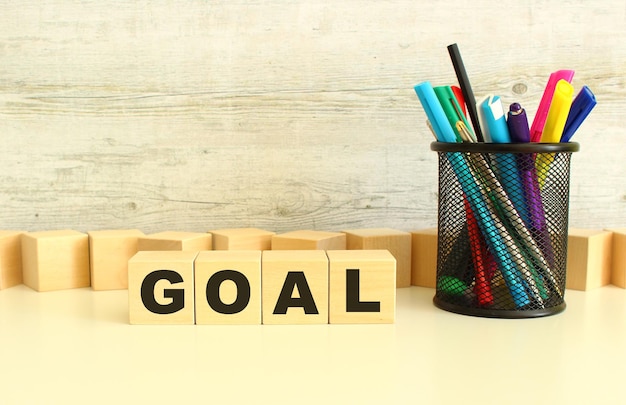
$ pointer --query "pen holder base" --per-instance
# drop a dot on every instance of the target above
(503, 221)
(497, 313)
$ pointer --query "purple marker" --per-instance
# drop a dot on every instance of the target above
(538, 226)
(518, 124)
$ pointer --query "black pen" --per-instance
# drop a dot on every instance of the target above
(466, 88)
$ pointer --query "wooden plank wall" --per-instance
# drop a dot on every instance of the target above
(195, 115)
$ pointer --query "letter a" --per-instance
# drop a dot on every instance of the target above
(286, 300)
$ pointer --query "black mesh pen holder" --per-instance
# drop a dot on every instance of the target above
(503, 220)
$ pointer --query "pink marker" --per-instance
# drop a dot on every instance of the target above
(536, 128)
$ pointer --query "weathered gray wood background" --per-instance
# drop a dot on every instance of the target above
(175, 115)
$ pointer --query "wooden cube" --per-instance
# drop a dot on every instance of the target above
(173, 240)
(55, 260)
(295, 287)
(228, 287)
(396, 242)
(110, 251)
(588, 259)
(362, 286)
(10, 258)
(618, 262)
(242, 239)
(309, 240)
(424, 257)
(161, 288)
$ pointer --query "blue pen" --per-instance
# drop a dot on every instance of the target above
(434, 112)
(581, 107)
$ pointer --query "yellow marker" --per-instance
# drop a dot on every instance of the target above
(552, 131)
(557, 114)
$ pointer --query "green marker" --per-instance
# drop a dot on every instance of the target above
(451, 285)
(452, 109)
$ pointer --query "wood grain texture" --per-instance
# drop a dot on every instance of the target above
(277, 114)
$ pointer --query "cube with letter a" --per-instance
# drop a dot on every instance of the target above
(362, 286)
(228, 287)
(294, 286)
(161, 287)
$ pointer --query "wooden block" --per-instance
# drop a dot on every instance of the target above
(110, 251)
(309, 240)
(172, 240)
(424, 257)
(398, 243)
(10, 258)
(242, 239)
(588, 259)
(161, 288)
(55, 260)
(618, 262)
(228, 287)
(362, 286)
(295, 286)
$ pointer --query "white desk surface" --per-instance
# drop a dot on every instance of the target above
(76, 347)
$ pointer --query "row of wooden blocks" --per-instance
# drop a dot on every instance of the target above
(52, 260)
(269, 287)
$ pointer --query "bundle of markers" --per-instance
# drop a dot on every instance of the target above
(505, 226)
(558, 116)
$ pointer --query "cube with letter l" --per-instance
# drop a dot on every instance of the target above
(362, 286)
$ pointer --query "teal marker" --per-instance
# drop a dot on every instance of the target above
(493, 120)
(491, 226)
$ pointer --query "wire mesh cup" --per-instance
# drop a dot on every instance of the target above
(503, 220)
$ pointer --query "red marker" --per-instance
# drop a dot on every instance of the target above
(482, 288)
(458, 94)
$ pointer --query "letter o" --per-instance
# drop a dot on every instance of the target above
(213, 292)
